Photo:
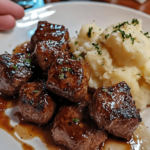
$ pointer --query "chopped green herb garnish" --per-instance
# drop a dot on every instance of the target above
(73, 57)
(104, 90)
(132, 39)
(135, 22)
(13, 50)
(28, 62)
(15, 67)
(100, 29)
(96, 46)
(66, 69)
(89, 32)
(28, 54)
(125, 35)
(106, 36)
(146, 33)
(36, 91)
(128, 36)
(6, 52)
(70, 69)
(61, 76)
(76, 43)
(75, 120)
(99, 52)
(139, 74)
(50, 41)
(121, 24)
(82, 55)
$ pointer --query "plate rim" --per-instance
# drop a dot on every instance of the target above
(89, 3)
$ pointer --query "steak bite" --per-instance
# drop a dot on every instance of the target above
(35, 105)
(69, 78)
(47, 51)
(15, 70)
(74, 129)
(114, 109)
(47, 31)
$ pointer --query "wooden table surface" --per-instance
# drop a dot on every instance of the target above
(145, 7)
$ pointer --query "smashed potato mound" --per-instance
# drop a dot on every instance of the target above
(119, 53)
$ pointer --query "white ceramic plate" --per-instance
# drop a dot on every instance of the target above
(73, 15)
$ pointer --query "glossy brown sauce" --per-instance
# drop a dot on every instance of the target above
(27, 131)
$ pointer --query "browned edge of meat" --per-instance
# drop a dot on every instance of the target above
(35, 105)
(114, 109)
(74, 129)
(46, 52)
(47, 31)
(69, 78)
(15, 70)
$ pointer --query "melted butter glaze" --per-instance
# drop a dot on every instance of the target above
(28, 131)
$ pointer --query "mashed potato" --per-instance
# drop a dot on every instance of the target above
(119, 53)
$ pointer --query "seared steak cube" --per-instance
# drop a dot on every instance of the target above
(114, 109)
(47, 31)
(74, 129)
(35, 105)
(47, 51)
(15, 70)
(69, 78)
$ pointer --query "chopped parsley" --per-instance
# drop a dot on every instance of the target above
(104, 90)
(75, 120)
(121, 24)
(66, 69)
(61, 76)
(76, 43)
(100, 29)
(73, 57)
(106, 36)
(89, 32)
(6, 52)
(28, 62)
(125, 35)
(15, 67)
(82, 55)
(132, 39)
(146, 34)
(50, 41)
(96, 46)
(135, 22)
(36, 91)
(139, 74)
(99, 52)
(13, 50)
(28, 54)
(128, 36)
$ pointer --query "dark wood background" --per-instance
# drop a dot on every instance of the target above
(145, 7)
